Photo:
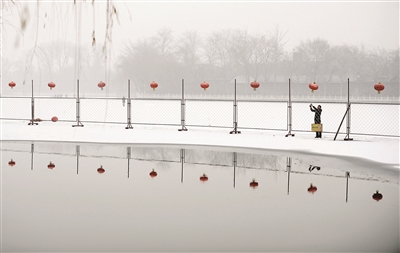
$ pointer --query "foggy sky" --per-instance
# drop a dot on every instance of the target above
(373, 24)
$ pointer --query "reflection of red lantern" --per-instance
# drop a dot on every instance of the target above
(312, 189)
(101, 85)
(253, 183)
(153, 174)
(54, 119)
(51, 85)
(51, 166)
(254, 85)
(204, 85)
(377, 196)
(153, 85)
(11, 163)
(38, 120)
(379, 87)
(313, 86)
(101, 170)
(12, 84)
(204, 178)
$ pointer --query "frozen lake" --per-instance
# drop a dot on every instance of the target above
(72, 207)
(373, 119)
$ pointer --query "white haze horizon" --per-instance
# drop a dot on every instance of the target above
(370, 24)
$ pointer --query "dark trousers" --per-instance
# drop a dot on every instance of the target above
(318, 134)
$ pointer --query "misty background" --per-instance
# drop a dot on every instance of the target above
(217, 42)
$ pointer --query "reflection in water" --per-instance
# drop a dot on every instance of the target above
(133, 212)
(377, 196)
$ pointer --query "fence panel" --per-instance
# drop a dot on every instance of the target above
(155, 111)
(377, 119)
(332, 114)
(262, 115)
(209, 113)
(64, 109)
(15, 108)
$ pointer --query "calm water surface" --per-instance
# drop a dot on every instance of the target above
(101, 198)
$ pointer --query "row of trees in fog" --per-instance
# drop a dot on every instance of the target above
(222, 55)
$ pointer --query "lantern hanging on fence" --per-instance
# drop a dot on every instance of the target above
(11, 163)
(153, 85)
(312, 189)
(377, 196)
(379, 87)
(253, 183)
(313, 86)
(101, 84)
(12, 84)
(101, 170)
(153, 174)
(51, 85)
(204, 85)
(51, 166)
(255, 85)
(54, 119)
(204, 178)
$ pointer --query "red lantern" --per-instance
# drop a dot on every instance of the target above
(153, 85)
(313, 86)
(12, 84)
(204, 85)
(377, 196)
(312, 189)
(51, 85)
(101, 170)
(51, 166)
(255, 85)
(253, 183)
(11, 163)
(379, 87)
(101, 85)
(153, 174)
(54, 119)
(204, 178)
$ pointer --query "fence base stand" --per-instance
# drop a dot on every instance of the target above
(78, 124)
(129, 126)
(289, 134)
(348, 139)
(183, 129)
(31, 123)
(235, 131)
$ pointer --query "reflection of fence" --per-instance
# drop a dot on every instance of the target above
(366, 118)
(169, 155)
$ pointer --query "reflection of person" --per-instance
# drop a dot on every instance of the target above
(317, 118)
(311, 168)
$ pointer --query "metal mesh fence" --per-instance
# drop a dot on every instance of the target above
(372, 117)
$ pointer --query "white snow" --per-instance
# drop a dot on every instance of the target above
(375, 149)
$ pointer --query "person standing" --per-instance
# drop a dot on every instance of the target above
(317, 117)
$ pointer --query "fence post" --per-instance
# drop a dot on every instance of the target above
(32, 150)
(235, 131)
(32, 122)
(348, 119)
(78, 107)
(289, 113)
(128, 108)
(183, 108)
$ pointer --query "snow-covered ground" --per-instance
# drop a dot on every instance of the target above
(364, 151)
